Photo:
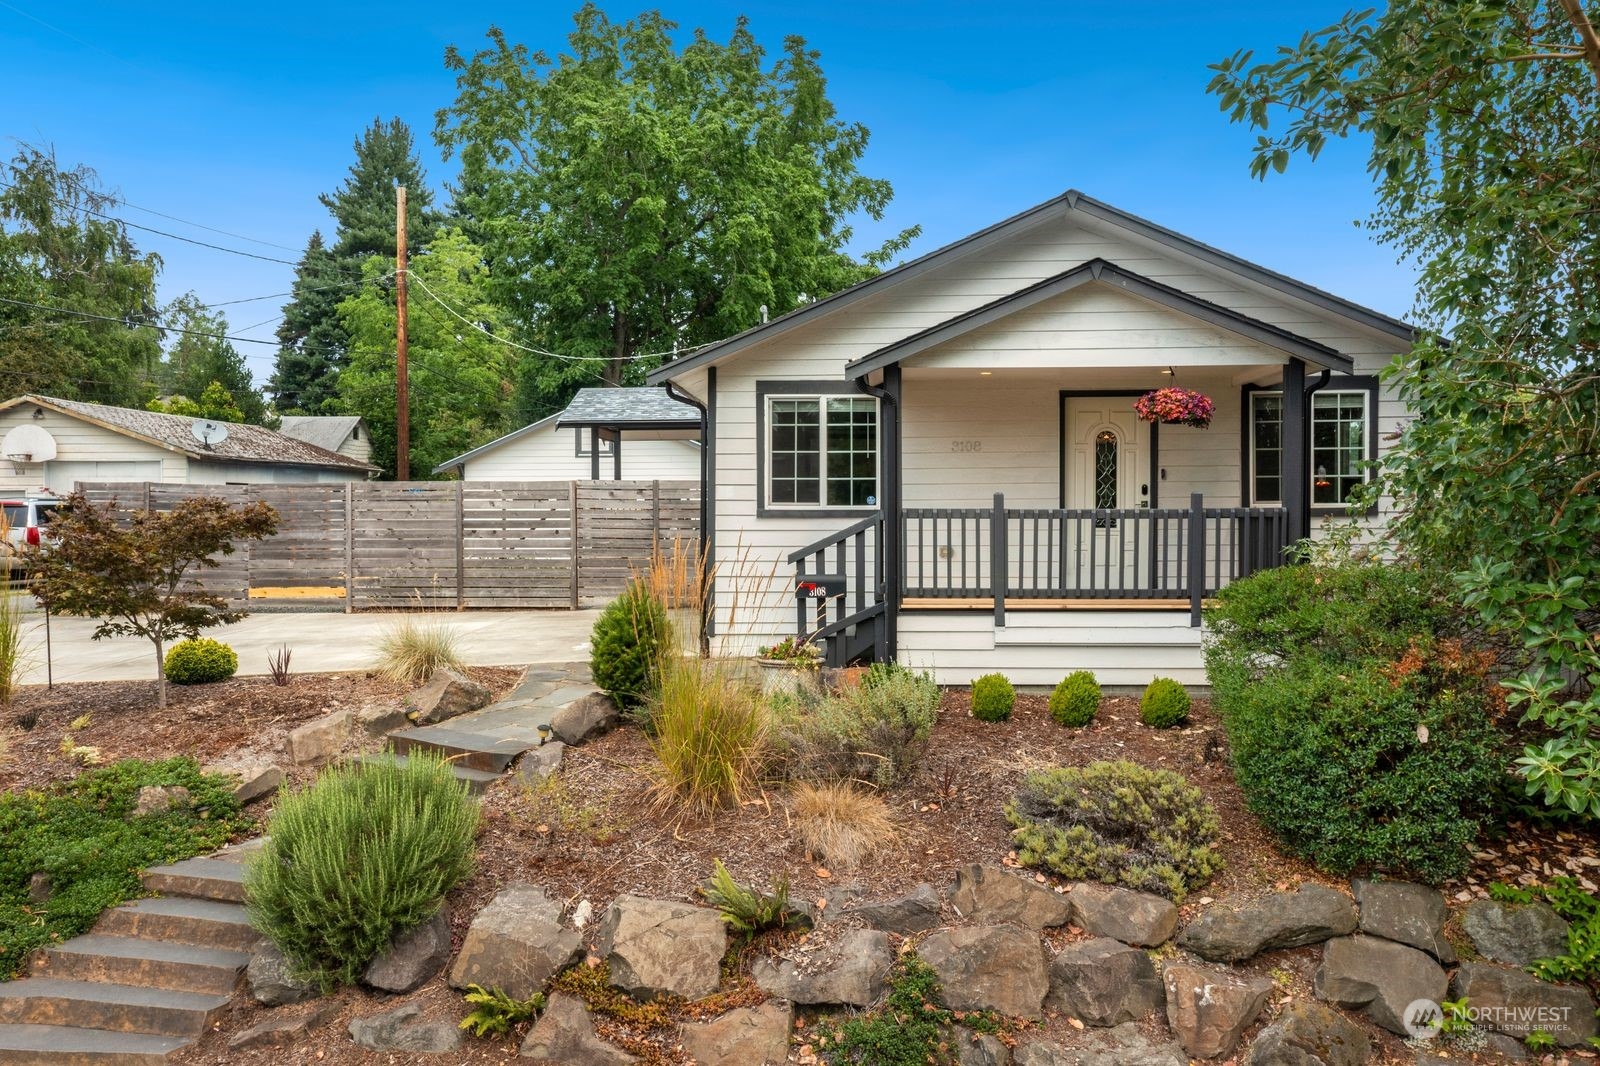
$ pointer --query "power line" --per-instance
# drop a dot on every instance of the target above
(208, 229)
(131, 323)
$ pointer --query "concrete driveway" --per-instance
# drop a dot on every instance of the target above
(321, 643)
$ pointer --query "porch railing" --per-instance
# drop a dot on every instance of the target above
(1139, 553)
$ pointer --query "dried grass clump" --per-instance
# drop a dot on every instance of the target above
(710, 735)
(840, 823)
(410, 651)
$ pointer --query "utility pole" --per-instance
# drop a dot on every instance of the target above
(402, 390)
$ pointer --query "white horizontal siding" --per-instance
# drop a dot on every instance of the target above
(1040, 648)
(79, 442)
(547, 455)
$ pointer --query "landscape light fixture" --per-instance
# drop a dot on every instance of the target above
(544, 733)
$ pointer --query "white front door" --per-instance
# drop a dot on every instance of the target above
(1107, 468)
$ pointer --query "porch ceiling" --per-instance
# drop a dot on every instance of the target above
(1178, 330)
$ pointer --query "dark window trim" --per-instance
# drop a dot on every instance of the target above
(580, 452)
(1061, 442)
(1353, 383)
(840, 387)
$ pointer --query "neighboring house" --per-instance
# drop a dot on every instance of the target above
(605, 434)
(949, 451)
(52, 445)
(345, 434)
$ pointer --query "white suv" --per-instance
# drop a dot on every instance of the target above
(26, 519)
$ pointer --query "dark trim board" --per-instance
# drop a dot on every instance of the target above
(1061, 447)
(840, 387)
(1353, 383)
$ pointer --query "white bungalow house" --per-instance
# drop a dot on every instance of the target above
(50, 445)
(604, 434)
(942, 465)
(345, 434)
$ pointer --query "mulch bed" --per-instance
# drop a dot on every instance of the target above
(599, 831)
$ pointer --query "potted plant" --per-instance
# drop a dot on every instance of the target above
(1174, 406)
(789, 665)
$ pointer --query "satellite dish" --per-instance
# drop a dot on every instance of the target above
(208, 432)
(29, 443)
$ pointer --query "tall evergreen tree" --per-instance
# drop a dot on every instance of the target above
(313, 342)
(199, 355)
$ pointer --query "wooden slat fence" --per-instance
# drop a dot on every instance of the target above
(443, 544)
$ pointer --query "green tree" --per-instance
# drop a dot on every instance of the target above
(127, 569)
(1484, 140)
(462, 379)
(638, 198)
(311, 339)
(200, 355)
(215, 403)
(57, 251)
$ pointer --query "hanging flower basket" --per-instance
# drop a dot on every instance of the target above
(1173, 406)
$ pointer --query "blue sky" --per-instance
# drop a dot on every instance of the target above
(236, 116)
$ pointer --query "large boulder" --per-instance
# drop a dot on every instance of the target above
(401, 1030)
(1516, 1003)
(564, 1034)
(516, 944)
(914, 913)
(993, 894)
(1309, 1034)
(272, 980)
(976, 1049)
(659, 947)
(446, 695)
(1209, 1010)
(538, 763)
(1515, 933)
(585, 718)
(988, 967)
(380, 719)
(850, 971)
(251, 781)
(1308, 915)
(1126, 1045)
(1378, 976)
(1104, 982)
(158, 799)
(414, 957)
(750, 1036)
(1136, 918)
(320, 740)
(1405, 913)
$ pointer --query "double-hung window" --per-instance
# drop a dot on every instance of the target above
(822, 451)
(1342, 442)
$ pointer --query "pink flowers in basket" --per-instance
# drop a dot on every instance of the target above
(1175, 407)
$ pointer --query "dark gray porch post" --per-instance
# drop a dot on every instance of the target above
(1296, 457)
(594, 453)
(616, 456)
(998, 552)
(889, 538)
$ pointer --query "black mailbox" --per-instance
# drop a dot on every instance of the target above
(818, 586)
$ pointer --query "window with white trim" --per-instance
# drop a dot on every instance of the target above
(822, 451)
(1341, 444)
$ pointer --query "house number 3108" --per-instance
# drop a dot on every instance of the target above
(966, 445)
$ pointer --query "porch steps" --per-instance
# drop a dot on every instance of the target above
(148, 980)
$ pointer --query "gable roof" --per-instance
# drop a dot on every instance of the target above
(516, 434)
(629, 408)
(325, 431)
(244, 443)
(1107, 273)
(1065, 204)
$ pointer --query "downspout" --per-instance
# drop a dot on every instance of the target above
(1311, 473)
(705, 507)
(891, 509)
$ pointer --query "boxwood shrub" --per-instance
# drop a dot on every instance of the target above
(200, 661)
(629, 639)
(1362, 732)
(992, 698)
(1076, 699)
(1165, 704)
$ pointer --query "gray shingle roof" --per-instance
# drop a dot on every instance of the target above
(625, 408)
(325, 431)
(244, 444)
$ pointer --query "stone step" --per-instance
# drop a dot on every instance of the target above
(134, 961)
(474, 751)
(201, 922)
(119, 1008)
(199, 879)
(66, 1045)
(477, 780)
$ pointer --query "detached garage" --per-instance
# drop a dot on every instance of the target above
(50, 445)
